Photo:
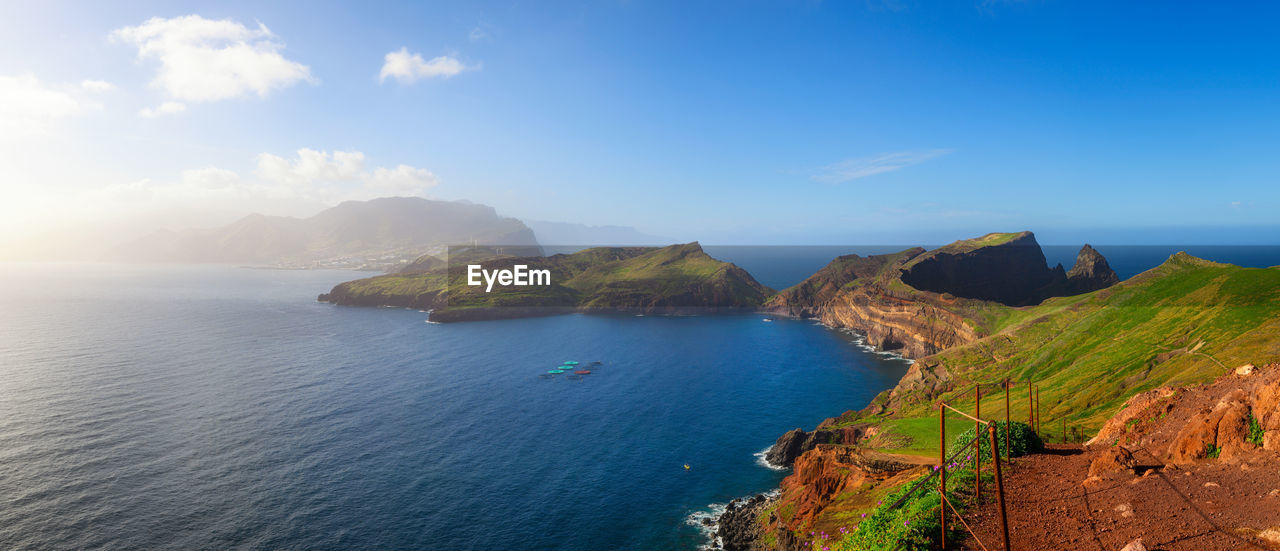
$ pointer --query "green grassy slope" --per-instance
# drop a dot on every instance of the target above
(1185, 321)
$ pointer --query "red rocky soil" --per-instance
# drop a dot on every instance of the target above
(1151, 474)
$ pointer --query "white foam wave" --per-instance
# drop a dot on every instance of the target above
(711, 514)
(763, 461)
(707, 521)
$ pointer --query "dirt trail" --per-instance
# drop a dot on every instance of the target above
(1210, 506)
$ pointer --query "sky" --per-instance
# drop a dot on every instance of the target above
(728, 122)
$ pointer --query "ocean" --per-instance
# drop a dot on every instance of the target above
(209, 407)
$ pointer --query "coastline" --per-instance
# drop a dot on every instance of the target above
(734, 526)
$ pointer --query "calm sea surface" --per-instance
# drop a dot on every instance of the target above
(211, 408)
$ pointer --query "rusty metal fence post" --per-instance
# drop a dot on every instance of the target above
(1031, 406)
(1006, 420)
(942, 467)
(995, 465)
(1037, 428)
(977, 449)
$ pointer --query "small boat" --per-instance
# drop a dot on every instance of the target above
(597, 362)
(571, 363)
(687, 467)
(555, 371)
(768, 319)
(582, 372)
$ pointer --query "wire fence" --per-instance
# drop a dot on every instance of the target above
(974, 447)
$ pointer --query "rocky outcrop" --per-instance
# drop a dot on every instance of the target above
(795, 442)
(1090, 273)
(739, 527)
(805, 298)
(1219, 432)
(919, 302)
(1112, 460)
(1216, 421)
(818, 477)
(1006, 268)
(1010, 270)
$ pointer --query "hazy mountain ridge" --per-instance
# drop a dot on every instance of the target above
(378, 234)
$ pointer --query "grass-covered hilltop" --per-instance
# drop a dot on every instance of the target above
(674, 279)
(1088, 342)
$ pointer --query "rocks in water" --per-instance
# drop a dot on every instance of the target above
(787, 448)
(739, 527)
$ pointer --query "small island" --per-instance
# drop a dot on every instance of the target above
(678, 279)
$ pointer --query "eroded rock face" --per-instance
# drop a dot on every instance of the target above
(1013, 273)
(825, 472)
(913, 326)
(795, 442)
(1090, 273)
(1010, 273)
(1223, 428)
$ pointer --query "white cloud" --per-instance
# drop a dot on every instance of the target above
(862, 167)
(310, 178)
(407, 67)
(166, 108)
(311, 167)
(29, 106)
(209, 60)
(341, 175)
(97, 85)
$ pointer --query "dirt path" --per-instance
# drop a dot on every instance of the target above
(1215, 505)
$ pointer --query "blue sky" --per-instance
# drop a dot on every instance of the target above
(743, 122)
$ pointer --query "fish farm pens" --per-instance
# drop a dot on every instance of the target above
(975, 445)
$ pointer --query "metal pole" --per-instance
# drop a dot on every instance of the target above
(1006, 419)
(1031, 406)
(977, 449)
(942, 467)
(1004, 518)
(1038, 427)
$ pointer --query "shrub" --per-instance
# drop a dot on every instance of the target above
(1021, 441)
(1212, 451)
(1255, 431)
(914, 525)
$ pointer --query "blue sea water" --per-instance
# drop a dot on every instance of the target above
(180, 407)
(220, 408)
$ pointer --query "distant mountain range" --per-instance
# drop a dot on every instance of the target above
(377, 234)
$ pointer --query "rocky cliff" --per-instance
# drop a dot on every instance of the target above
(921, 302)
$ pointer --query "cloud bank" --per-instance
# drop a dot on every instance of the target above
(204, 60)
